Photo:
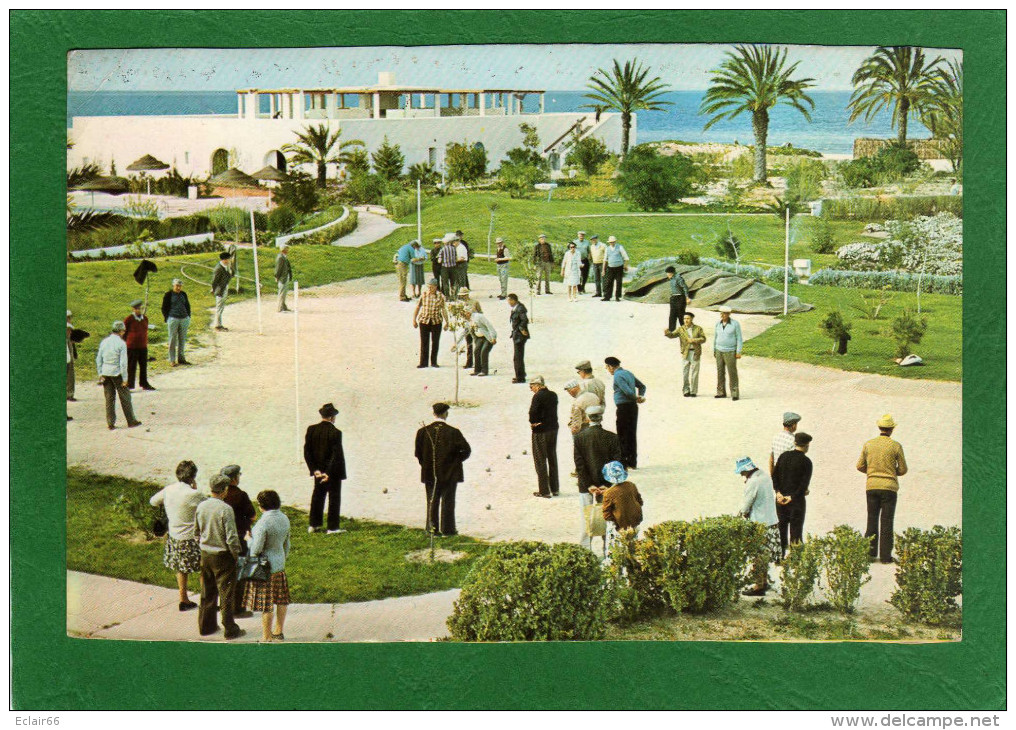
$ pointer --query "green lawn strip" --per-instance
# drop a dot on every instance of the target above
(365, 564)
(320, 218)
(871, 348)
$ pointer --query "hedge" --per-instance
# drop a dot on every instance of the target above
(929, 573)
(891, 207)
(399, 206)
(894, 280)
(327, 235)
(123, 231)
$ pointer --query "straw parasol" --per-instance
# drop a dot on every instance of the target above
(233, 178)
(145, 164)
(106, 184)
(270, 174)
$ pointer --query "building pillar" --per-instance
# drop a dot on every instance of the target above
(252, 105)
(331, 102)
(376, 98)
(542, 103)
(437, 105)
(483, 103)
(239, 106)
(300, 105)
(271, 106)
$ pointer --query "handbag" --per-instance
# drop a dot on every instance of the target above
(160, 526)
(253, 567)
(592, 515)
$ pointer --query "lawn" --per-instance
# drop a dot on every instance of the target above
(871, 349)
(367, 563)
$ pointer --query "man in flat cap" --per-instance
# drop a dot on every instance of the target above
(502, 257)
(220, 547)
(594, 447)
(883, 463)
(784, 440)
(597, 250)
(176, 311)
(220, 287)
(581, 400)
(473, 307)
(136, 336)
(590, 383)
(791, 479)
(543, 257)
(243, 515)
(326, 462)
(692, 336)
(727, 345)
(440, 450)
(111, 364)
(429, 317)
(543, 424)
(629, 391)
(283, 275)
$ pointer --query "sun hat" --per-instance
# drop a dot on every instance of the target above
(536, 380)
(790, 418)
(328, 410)
(582, 233)
(886, 421)
(573, 383)
(744, 464)
(611, 239)
(614, 472)
(542, 235)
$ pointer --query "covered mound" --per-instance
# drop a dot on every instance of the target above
(710, 288)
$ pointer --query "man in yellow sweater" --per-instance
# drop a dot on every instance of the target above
(883, 462)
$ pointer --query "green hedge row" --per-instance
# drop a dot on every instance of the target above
(893, 280)
(891, 207)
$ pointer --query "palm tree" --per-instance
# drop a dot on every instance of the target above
(755, 79)
(896, 76)
(944, 113)
(626, 90)
(321, 147)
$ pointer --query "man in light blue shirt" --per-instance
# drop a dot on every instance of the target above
(727, 344)
(403, 258)
(629, 391)
(111, 364)
(615, 263)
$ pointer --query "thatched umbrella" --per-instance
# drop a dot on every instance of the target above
(114, 185)
(145, 164)
(233, 178)
(271, 174)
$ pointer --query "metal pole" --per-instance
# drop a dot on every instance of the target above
(419, 221)
(257, 274)
(786, 264)
(296, 360)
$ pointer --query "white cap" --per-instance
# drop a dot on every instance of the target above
(612, 239)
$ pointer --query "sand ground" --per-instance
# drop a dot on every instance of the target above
(358, 349)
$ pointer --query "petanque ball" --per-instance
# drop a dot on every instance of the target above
(384, 491)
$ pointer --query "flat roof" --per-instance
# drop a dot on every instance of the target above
(388, 89)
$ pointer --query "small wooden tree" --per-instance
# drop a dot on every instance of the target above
(533, 279)
(458, 325)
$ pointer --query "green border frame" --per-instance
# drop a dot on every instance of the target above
(53, 672)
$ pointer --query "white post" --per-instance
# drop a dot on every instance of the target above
(296, 360)
(419, 221)
(786, 263)
(257, 275)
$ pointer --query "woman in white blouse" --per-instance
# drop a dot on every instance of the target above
(571, 271)
(182, 552)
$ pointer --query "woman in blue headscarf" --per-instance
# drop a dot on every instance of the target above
(622, 503)
(759, 505)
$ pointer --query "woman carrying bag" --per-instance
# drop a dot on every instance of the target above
(270, 539)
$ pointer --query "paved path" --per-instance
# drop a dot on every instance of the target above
(370, 227)
(107, 608)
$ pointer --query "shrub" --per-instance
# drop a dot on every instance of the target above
(518, 179)
(687, 258)
(871, 306)
(907, 330)
(801, 568)
(835, 328)
(299, 193)
(845, 563)
(425, 173)
(364, 187)
(892, 207)
(465, 163)
(357, 161)
(134, 507)
(929, 573)
(531, 591)
(822, 240)
(742, 167)
(588, 153)
(120, 230)
(650, 181)
(804, 180)
(894, 280)
(932, 244)
(83, 174)
(890, 164)
(388, 160)
(281, 218)
(333, 232)
(399, 206)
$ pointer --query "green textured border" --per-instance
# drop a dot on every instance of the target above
(51, 671)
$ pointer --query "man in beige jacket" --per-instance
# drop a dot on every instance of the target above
(882, 461)
(692, 337)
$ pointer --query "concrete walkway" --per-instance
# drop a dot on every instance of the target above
(370, 227)
(107, 608)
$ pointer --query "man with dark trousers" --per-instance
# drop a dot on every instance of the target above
(791, 477)
(429, 317)
(594, 447)
(322, 450)
(220, 547)
(440, 450)
(543, 424)
(678, 298)
(629, 391)
(883, 463)
(243, 515)
(519, 320)
(136, 337)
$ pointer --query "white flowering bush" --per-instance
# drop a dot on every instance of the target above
(932, 244)
(863, 256)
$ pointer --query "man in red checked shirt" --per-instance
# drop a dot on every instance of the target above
(137, 346)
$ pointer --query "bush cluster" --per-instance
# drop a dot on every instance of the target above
(894, 280)
(890, 164)
(399, 206)
(929, 573)
(531, 591)
(822, 239)
(123, 231)
(891, 207)
(845, 565)
(929, 244)
(651, 181)
(134, 507)
(801, 568)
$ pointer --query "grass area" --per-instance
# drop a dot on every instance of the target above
(871, 349)
(365, 564)
(765, 621)
(320, 218)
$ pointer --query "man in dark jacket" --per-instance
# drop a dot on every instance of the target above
(440, 450)
(519, 320)
(283, 275)
(594, 447)
(177, 313)
(220, 287)
(544, 425)
(791, 478)
(243, 514)
(322, 450)
(543, 257)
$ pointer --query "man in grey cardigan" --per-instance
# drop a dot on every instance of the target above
(220, 546)
(283, 275)
(220, 287)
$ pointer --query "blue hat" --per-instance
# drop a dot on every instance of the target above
(614, 472)
(744, 464)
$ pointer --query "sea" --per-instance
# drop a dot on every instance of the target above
(829, 130)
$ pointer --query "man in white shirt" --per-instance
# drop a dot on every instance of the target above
(484, 338)
(784, 440)
(461, 260)
(111, 363)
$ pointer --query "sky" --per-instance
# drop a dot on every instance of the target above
(554, 67)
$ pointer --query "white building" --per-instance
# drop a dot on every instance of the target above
(421, 120)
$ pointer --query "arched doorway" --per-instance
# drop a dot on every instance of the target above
(276, 159)
(220, 161)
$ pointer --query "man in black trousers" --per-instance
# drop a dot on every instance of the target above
(441, 449)
(322, 450)
(594, 447)
(519, 320)
(791, 477)
(543, 423)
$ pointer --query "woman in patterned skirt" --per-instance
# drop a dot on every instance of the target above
(182, 552)
(270, 537)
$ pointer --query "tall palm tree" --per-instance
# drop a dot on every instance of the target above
(944, 113)
(321, 147)
(894, 76)
(626, 90)
(754, 79)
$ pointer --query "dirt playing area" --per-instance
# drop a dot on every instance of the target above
(359, 350)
